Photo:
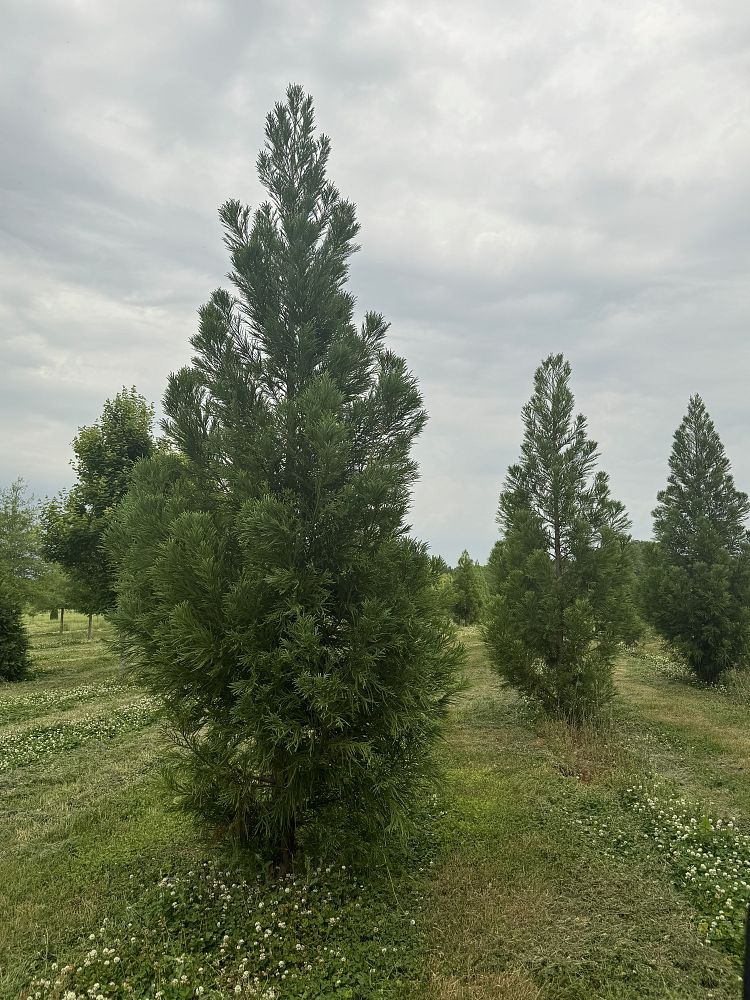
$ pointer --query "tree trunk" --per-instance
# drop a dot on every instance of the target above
(62, 618)
(88, 636)
(287, 847)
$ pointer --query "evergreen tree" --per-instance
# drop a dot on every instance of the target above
(75, 523)
(696, 581)
(469, 590)
(268, 589)
(495, 568)
(14, 640)
(562, 571)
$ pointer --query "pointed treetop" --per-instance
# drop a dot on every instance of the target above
(700, 489)
(556, 476)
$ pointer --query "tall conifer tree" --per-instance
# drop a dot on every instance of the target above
(696, 581)
(562, 572)
(268, 587)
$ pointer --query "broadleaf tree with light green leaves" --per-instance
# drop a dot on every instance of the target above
(76, 522)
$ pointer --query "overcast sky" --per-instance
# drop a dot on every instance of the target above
(530, 176)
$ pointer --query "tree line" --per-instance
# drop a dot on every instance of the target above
(565, 585)
(257, 565)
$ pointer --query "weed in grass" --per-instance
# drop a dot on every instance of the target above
(32, 746)
(212, 933)
(709, 857)
(27, 706)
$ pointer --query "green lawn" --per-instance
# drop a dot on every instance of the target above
(552, 865)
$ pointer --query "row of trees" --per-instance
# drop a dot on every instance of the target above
(257, 562)
(562, 575)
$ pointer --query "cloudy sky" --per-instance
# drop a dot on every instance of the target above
(530, 176)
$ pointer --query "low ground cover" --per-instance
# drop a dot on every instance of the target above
(554, 865)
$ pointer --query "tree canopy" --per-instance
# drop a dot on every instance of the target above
(75, 523)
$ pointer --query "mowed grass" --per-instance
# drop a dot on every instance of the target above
(74, 822)
(533, 901)
(536, 877)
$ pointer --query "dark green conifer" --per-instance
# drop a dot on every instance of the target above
(14, 639)
(696, 582)
(562, 573)
(269, 589)
(469, 590)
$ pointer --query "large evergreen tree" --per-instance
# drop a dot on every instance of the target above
(696, 581)
(268, 588)
(14, 640)
(562, 573)
(75, 523)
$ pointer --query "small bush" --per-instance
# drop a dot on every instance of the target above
(14, 641)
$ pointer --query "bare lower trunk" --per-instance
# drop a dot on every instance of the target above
(88, 636)
(62, 618)
(287, 847)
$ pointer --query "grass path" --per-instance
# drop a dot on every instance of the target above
(704, 735)
(531, 903)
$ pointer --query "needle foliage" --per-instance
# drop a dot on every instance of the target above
(561, 571)
(268, 587)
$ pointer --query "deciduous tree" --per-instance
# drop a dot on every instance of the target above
(75, 523)
(20, 540)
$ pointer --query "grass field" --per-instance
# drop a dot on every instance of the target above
(551, 865)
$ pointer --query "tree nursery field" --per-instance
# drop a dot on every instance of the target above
(555, 862)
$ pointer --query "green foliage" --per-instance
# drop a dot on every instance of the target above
(495, 568)
(469, 590)
(439, 565)
(268, 588)
(51, 590)
(75, 524)
(39, 585)
(562, 572)
(696, 581)
(20, 541)
(14, 642)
